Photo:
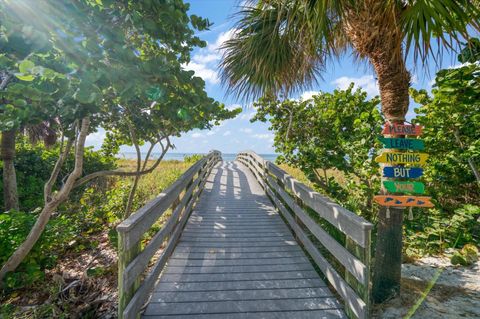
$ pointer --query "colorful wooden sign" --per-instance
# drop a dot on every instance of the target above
(390, 157)
(402, 129)
(403, 201)
(404, 187)
(402, 143)
(402, 172)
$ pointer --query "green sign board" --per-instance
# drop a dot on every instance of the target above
(404, 187)
(402, 143)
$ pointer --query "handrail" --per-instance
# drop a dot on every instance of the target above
(133, 261)
(293, 199)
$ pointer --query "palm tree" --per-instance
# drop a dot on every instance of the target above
(281, 46)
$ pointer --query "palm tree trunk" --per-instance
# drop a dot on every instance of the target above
(394, 82)
(10, 194)
(378, 37)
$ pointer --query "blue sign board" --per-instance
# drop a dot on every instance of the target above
(402, 172)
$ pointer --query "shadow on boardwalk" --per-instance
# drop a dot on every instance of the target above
(237, 259)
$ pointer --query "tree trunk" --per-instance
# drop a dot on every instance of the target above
(10, 194)
(379, 38)
(22, 251)
(394, 82)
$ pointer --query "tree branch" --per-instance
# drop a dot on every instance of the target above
(91, 176)
(5, 80)
(131, 195)
(47, 190)
(21, 252)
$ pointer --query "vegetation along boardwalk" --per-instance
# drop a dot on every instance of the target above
(230, 254)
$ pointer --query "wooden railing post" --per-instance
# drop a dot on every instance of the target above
(125, 256)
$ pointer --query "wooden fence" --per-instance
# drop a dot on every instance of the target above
(136, 278)
(309, 215)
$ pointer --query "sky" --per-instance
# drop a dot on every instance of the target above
(239, 134)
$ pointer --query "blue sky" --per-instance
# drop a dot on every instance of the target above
(239, 134)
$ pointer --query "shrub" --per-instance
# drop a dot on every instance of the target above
(34, 164)
(192, 158)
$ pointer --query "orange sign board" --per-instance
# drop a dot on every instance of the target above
(402, 129)
(403, 201)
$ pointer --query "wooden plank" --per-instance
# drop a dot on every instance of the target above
(311, 314)
(172, 269)
(402, 143)
(351, 263)
(251, 294)
(242, 284)
(403, 201)
(402, 172)
(236, 262)
(352, 300)
(232, 240)
(205, 256)
(347, 222)
(395, 158)
(239, 277)
(404, 187)
(212, 307)
(402, 129)
(231, 250)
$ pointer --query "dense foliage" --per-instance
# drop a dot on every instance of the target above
(69, 68)
(336, 154)
(451, 117)
(34, 163)
(340, 141)
(93, 209)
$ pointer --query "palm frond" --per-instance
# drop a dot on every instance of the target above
(273, 51)
(446, 21)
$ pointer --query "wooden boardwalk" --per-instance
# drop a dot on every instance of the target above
(236, 258)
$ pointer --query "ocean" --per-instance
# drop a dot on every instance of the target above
(180, 156)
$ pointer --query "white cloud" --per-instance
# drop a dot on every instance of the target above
(96, 139)
(248, 116)
(212, 132)
(227, 133)
(461, 65)
(308, 95)
(233, 107)
(205, 58)
(263, 136)
(203, 71)
(222, 38)
(246, 130)
(197, 135)
(205, 61)
(414, 79)
(366, 82)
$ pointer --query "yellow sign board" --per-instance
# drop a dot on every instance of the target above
(396, 158)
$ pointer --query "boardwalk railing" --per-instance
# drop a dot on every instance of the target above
(134, 260)
(310, 214)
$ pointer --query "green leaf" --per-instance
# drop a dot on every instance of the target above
(87, 93)
(25, 77)
(26, 66)
(20, 103)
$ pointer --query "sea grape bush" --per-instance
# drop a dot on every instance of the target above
(335, 153)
